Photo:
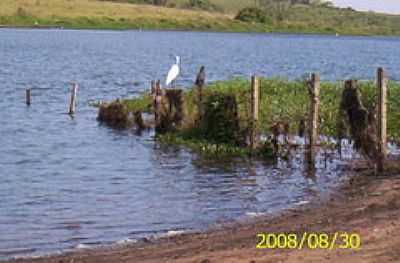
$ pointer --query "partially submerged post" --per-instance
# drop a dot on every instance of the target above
(176, 114)
(255, 108)
(28, 97)
(72, 104)
(169, 109)
(382, 85)
(139, 121)
(157, 105)
(153, 87)
(314, 85)
(200, 81)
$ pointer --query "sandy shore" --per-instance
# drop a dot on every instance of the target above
(365, 205)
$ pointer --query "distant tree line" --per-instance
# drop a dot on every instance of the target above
(192, 4)
(277, 7)
(266, 10)
(293, 2)
(149, 2)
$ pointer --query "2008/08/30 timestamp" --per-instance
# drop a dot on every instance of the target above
(309, 240)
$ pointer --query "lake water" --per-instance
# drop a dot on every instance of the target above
(68, 182)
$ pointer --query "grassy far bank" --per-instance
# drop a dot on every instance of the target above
(110, 15)
(93, 14)
(281, 101)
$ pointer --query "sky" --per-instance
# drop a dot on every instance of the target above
(386, 6)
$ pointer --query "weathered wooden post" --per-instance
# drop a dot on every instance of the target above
(200, 81)
(139, 121)
(157, 105)
(255, 108)
(314, 85)
(72, 104)
(158, 87)
(382, 85)
(153, 87)
(28, 97)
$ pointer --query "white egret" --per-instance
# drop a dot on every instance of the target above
(173, 73)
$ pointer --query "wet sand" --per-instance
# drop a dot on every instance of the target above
(365, 205)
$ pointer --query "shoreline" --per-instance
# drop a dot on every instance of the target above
(365, 205)
(197, 30)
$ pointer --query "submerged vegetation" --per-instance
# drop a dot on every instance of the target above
(225, 124)
(115, 114)
(202, 15)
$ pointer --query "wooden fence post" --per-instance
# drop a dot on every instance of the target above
(72, 104)
(28, 97)
(382, 85)
(153, 87)
(314, 91)
(139, 121)
(157, 105)
(255, 108)
(200, 82)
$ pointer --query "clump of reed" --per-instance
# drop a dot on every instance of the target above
(361, 121)
(115, 114)
(220, 123)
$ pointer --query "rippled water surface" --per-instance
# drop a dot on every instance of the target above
(66, 182)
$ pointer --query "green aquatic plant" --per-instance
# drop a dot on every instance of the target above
(281, 101)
